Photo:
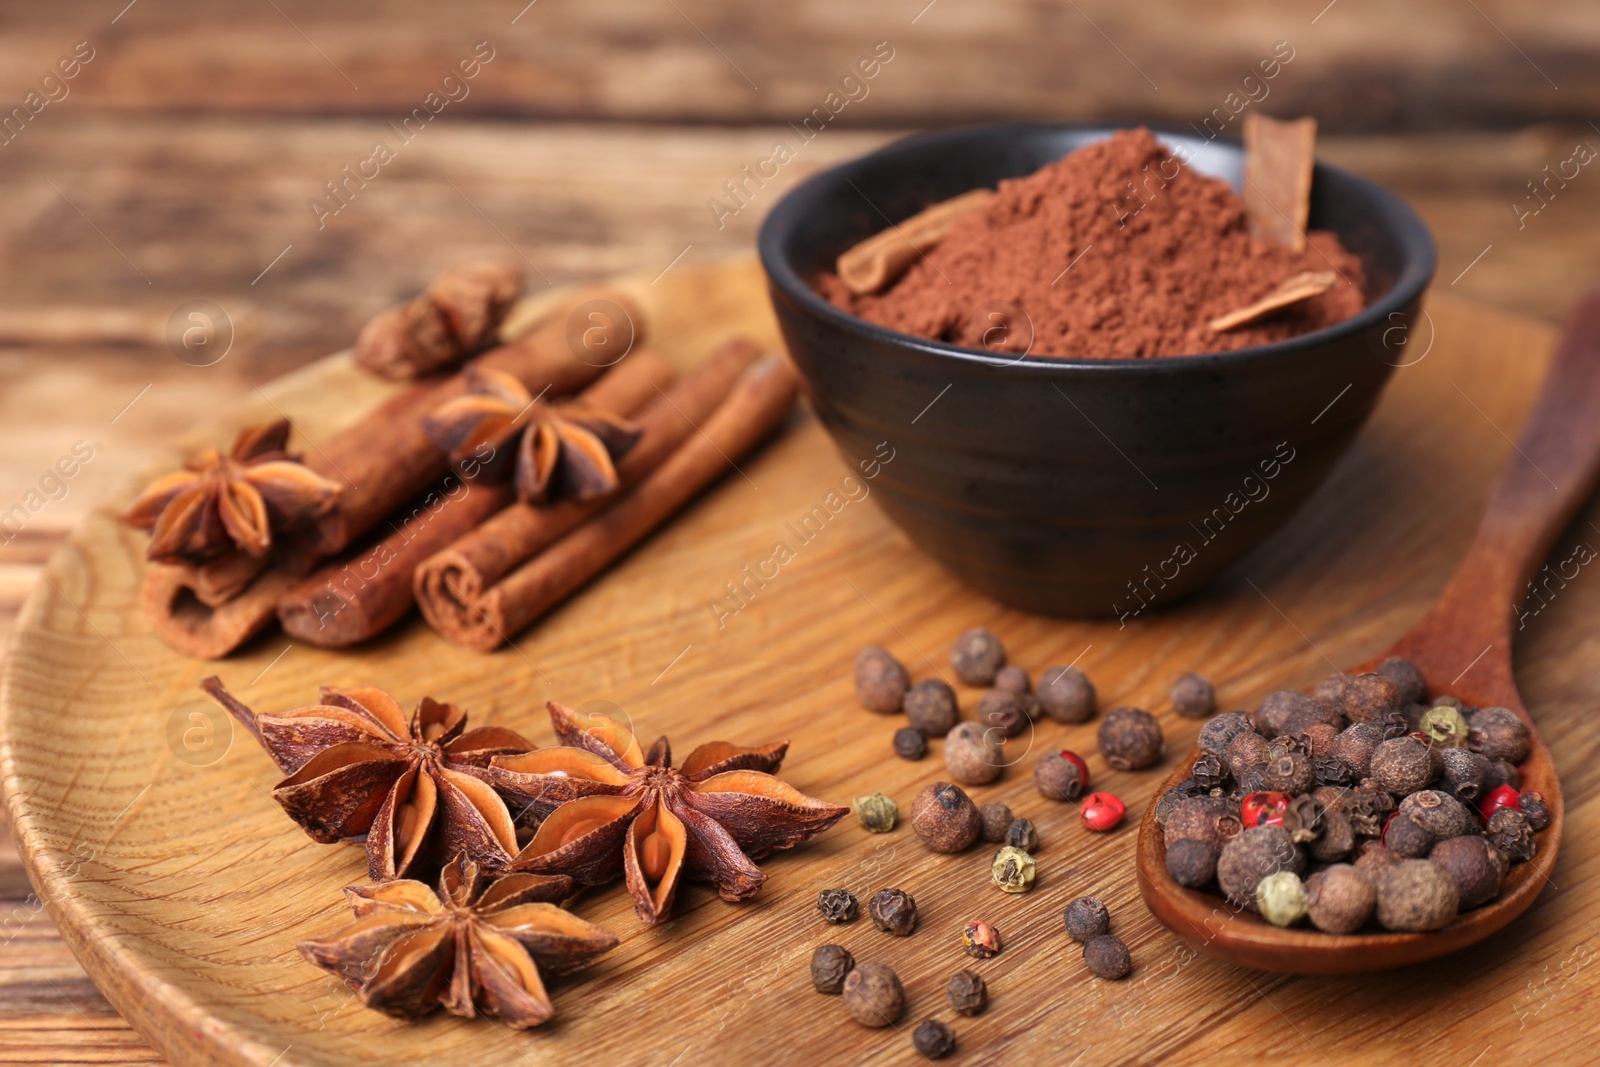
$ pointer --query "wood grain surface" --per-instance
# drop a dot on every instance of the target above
(188, 918)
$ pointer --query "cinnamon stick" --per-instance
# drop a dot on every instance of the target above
(195, 628)
(449, 582)
(1302, 286)
(1278, 161)
(350, 600)
(880, 259)
(757, 403)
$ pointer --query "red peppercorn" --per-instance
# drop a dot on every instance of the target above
(1502, 796)
(1102, 812)
(1263, 809)
(1077, 761)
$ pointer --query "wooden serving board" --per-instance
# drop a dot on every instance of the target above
(183, 888)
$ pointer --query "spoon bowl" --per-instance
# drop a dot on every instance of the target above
(1463, 647)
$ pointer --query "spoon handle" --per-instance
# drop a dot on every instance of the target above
(1550, 473)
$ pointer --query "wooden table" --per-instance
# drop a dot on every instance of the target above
(112, 223)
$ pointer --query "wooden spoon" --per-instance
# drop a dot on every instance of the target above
(1463, 648)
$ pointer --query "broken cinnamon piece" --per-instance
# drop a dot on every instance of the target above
(876, 262)
(204, 631)
(1278, 160)
(449, 584)
(455, 317)
(350, 600)
(1302, 286)
(751, 411)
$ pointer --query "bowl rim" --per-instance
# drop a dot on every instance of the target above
(1413, 235)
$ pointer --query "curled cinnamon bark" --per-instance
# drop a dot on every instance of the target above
(454, 318)
(876, 262)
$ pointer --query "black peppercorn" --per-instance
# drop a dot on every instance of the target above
(1466, 773)
(1273, 714)
(1403, 765)
(910, 743)
(1252, 780)
(1217, 732)
(1475, 866)
(1534, 809)
(1252, 855)
(945, 818)
(1499, 734)
(931, 707)
(894, 911)
(881, 682)
(1193, 697)
(967, 992)
(934, 1039)
(1168, 802)
(1021, 834)
(1370, 696)
(1209, 772)
(838, 906)
(1369, 809)
(1415, 895)
(1012, 679)
(1107, 957)
(1130, 739)
(1406, 678)
(1191, 862)
(1067, 694)
(1333, 772)
(830, 965)
(1002, 711)
(1213, 820)
(1303, 818)
(1057, 777)
(1341, 899)
(1439, 813)
(1086, 919)
(1509, 832)
(997, 819)
(977, 657)
(873, 995)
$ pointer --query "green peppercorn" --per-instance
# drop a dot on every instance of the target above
(877, 812)
(1281, 898)
(1012, 870)
(1443, 725)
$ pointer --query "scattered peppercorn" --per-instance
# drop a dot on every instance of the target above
(873, 995)
(1508, 831)
(1107, 957)
(1533, 806)
(877, 813)
(1340, 899)
(1013, 870)
(981, 940)
(967, 992)
(1191, 862)
(1212, 820)
(1086, 919)
(1193, 697)
(881, 682)
(893, 910)
(1406, 678)
(977, 657)
(972, 753)
(1060, 775)
(1101, 812)
(830, 965)
(1475, 866)
(1002, 711)
(931, 707)
(1281, 898)
(945, 818)
(1012, 679)
(997, 820)
(1251, 856)
(1403, 765)
(1499, 734)
(1415, 895)
(910, 743)
(934, 1039)
(1067, 694)
(1130, 739)
(1021, 834)
(838, 906)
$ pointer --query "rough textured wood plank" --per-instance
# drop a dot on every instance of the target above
(1342, 580)
(1355, 66)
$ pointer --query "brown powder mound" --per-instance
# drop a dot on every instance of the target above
(1156, 249)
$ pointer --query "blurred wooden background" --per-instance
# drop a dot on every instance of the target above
(180, 160)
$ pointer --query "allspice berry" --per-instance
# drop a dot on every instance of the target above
(1290, 773)
(931, 707)
(972, 753)
(830, 965)
(934, 1039)
(1067, 694)
(1107, 957)
(1336, 841)
(1012, 679)
(1013, 870)
(1355, 745)
(1086, 919)
(1406, 678)
(1405, 838)
(881, 682)
(873, 995)
(838, 906)
(1021, 834)
(1439, 813)
(1252, 855)
(967, 992)
(1058, 777)
(1218, 732)
(1508, 831)
(1475, 866)
(1273, 714)
(1130, 739)
(1415, 895)
(1247, 749)
(1466, 773)
(1193, 697)
(997, 820)
(1499, 734)
(977, 657)
(1002, 711)
(1368, 697)
(1402, 765)
(893, 911)
(910, 743)
(1371, 858)
(945, 817)
(1191, 862)
(1282, 898)
(1315, 713)
(1340, 899)
(1211, 820)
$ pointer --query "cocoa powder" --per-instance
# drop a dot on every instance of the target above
(1156, 250)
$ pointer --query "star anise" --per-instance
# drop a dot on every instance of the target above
(473, 948)
(564, 450)
(221, 504)
(613, 809)
(420, 793)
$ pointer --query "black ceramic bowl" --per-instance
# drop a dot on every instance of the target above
(1079, 487)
